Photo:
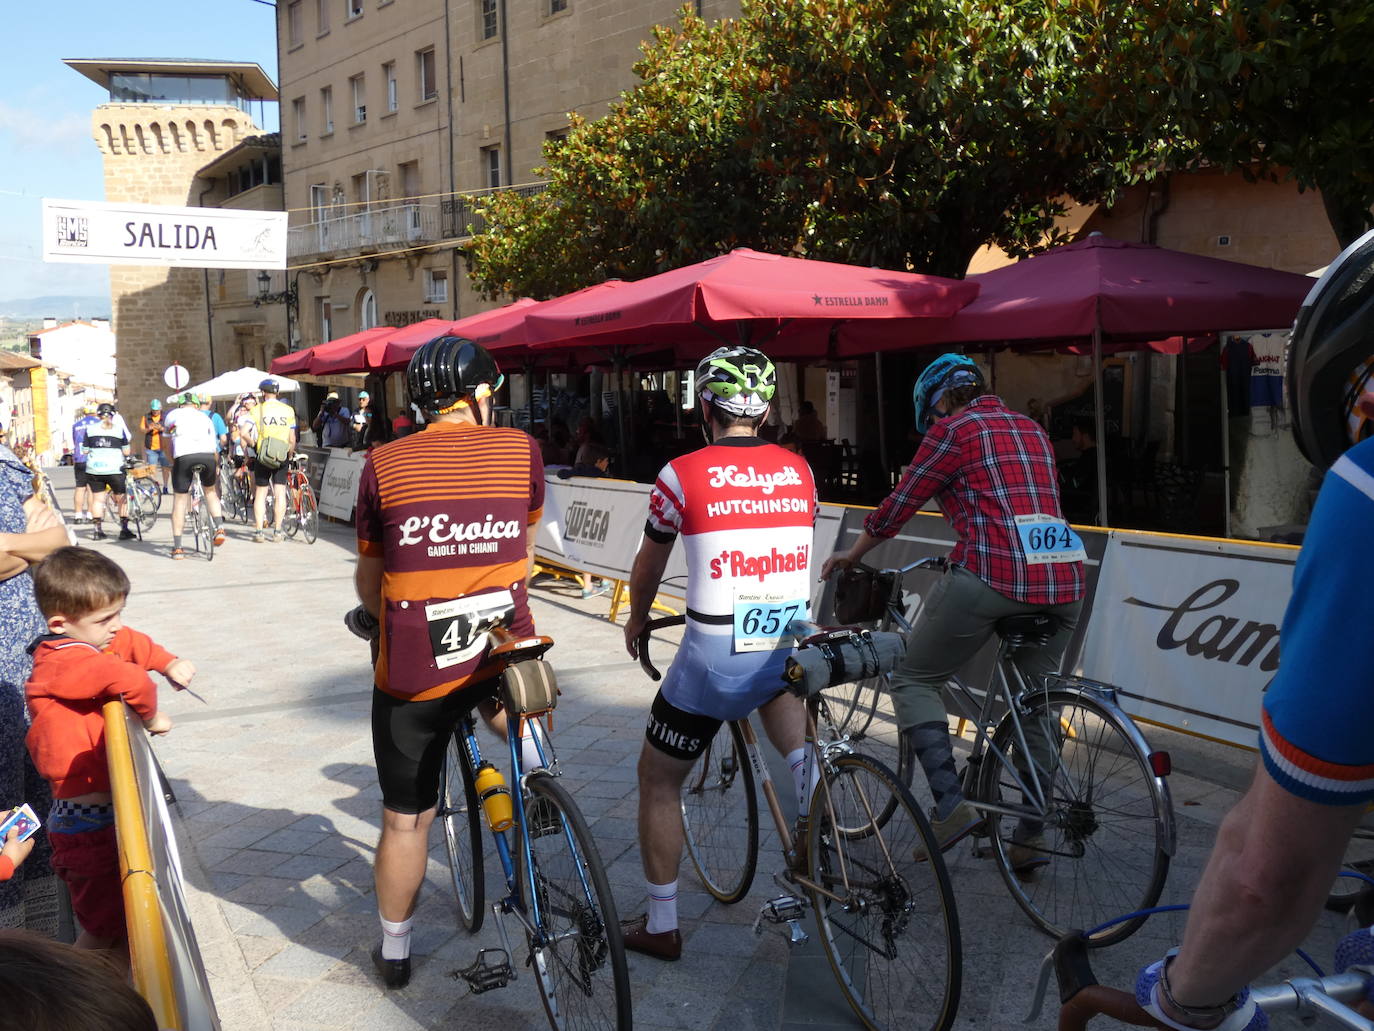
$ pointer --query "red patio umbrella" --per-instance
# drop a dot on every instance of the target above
(487, 328)
(344, 354)
(292, 364)
(786, 305)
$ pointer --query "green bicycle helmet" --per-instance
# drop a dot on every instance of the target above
(946, 371)
(738, 380)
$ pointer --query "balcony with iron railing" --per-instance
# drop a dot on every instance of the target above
(393, 225)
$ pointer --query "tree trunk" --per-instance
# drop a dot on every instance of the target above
(1348, 214)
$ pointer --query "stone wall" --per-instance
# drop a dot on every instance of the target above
(151, 155)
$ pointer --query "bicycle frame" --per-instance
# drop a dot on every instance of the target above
(511, 904)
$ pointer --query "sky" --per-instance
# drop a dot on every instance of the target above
(45, 109)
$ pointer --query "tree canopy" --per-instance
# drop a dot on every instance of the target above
(908, 133)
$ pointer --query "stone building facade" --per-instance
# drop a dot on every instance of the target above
(164, 122)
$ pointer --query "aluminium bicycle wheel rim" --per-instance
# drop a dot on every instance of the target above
(461, 817)
(577, 954)
(720, 816)
(1104, 839)
(893, 942)
(310, 517)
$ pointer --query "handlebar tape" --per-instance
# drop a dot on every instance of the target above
(645, 634)
(1072, 968)
(1357, 949)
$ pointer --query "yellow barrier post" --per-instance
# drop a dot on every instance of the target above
(152, 969)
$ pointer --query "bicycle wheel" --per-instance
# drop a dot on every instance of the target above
(720, 816)
(149, 499)
(576, 951)
(891, 933)
(291, 518)
(461, 816)
(310, 516)
(1103, 844)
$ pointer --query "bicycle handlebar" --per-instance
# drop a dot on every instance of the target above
(644, 635)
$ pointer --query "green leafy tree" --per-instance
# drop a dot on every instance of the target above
(909, 133)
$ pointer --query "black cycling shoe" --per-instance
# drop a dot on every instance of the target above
(395, 972)
(125, 534)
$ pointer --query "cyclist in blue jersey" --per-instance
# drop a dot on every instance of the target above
(1278, 850)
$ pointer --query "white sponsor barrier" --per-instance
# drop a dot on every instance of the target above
(339, 488)
(595, 526)
(1188, 629)
(154, 234)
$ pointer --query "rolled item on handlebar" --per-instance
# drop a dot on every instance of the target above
(843, 658)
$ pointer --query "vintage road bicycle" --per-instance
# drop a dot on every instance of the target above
(556, 888)
(144, 496)
(1092, 812)
(198, 518)
(857, 858)
(302, 509)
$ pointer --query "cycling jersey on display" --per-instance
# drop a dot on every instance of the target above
(746, 511)
(105, 449)
(448, 510)
(273, 419)
(1315, 729)
(191, 431)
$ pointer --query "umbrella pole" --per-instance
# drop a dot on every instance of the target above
(621, 442)
(1225, 458)
(882, 420)
(1100, 415)
(529, 394)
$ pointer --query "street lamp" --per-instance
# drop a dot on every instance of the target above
(289, 297)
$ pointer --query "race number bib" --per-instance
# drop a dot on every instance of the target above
(1046, 538)
(458, 628)
(762, 618)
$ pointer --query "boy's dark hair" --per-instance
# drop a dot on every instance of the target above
(593, 453)
(48, 986)
(75, 582)
(957, 397)
(1086, 425)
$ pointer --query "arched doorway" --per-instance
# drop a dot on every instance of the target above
(367, 310)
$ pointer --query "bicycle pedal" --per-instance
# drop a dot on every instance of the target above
(786, 909)
(484, 975)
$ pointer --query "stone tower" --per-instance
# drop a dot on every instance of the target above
(165, 120)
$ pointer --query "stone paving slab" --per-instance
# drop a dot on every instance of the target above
(278, 814)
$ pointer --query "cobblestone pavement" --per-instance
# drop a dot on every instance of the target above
(279, 815)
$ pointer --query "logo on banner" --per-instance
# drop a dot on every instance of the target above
(73, 231)
(585, 524)
(738, 564)
(1216, 636)
(733, 476)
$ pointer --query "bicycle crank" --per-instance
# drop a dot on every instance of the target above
(786, 909)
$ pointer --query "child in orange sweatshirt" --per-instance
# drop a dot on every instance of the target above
(86, 659)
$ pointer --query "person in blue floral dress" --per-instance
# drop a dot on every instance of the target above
(27, 533)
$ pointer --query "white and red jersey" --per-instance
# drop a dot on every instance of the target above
(746, 511)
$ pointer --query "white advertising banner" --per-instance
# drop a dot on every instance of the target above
(339, 489)
(1188, 630)
(595, 526)
(152, 234)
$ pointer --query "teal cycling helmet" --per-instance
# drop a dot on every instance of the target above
(738, 380)
(946, 371)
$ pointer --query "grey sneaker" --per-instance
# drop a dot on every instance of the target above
(1025, 857)
(259, 537)
(965, 820)
(278, 536)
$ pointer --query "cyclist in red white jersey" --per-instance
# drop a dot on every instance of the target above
(745, 510)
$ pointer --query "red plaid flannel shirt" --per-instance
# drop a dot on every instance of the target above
(984, 467)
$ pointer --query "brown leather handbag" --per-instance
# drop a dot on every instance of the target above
(861, 594)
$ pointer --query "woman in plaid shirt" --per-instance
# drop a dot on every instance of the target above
(992, 471)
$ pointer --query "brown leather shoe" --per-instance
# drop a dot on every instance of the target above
(664, 945)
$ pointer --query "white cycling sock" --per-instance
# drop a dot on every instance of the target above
(662, 907)
(796, 762)
(395, 938)
(529, 751)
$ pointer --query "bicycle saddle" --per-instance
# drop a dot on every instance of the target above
(1029, 624)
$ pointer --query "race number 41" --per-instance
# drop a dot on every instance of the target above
(762, 619)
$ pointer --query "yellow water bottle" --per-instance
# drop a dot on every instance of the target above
(495, 796)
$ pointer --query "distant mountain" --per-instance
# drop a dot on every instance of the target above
(63, 307)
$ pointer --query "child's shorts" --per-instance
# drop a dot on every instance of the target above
(86, 857)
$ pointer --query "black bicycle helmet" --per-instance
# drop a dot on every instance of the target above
(1332, 340)
(105, 409)
(270, 386)
(449, 370)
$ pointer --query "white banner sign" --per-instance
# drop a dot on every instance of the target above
(150, 234)
(595, 525)
(339, 489)
(1189, 630)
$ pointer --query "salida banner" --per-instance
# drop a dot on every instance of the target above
(1188, 630)
(151, 234)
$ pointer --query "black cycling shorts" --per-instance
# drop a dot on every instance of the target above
(263, 476)
(80, 469)
(99, 481)
(409, 740)
(182, 470)
(677, 732)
